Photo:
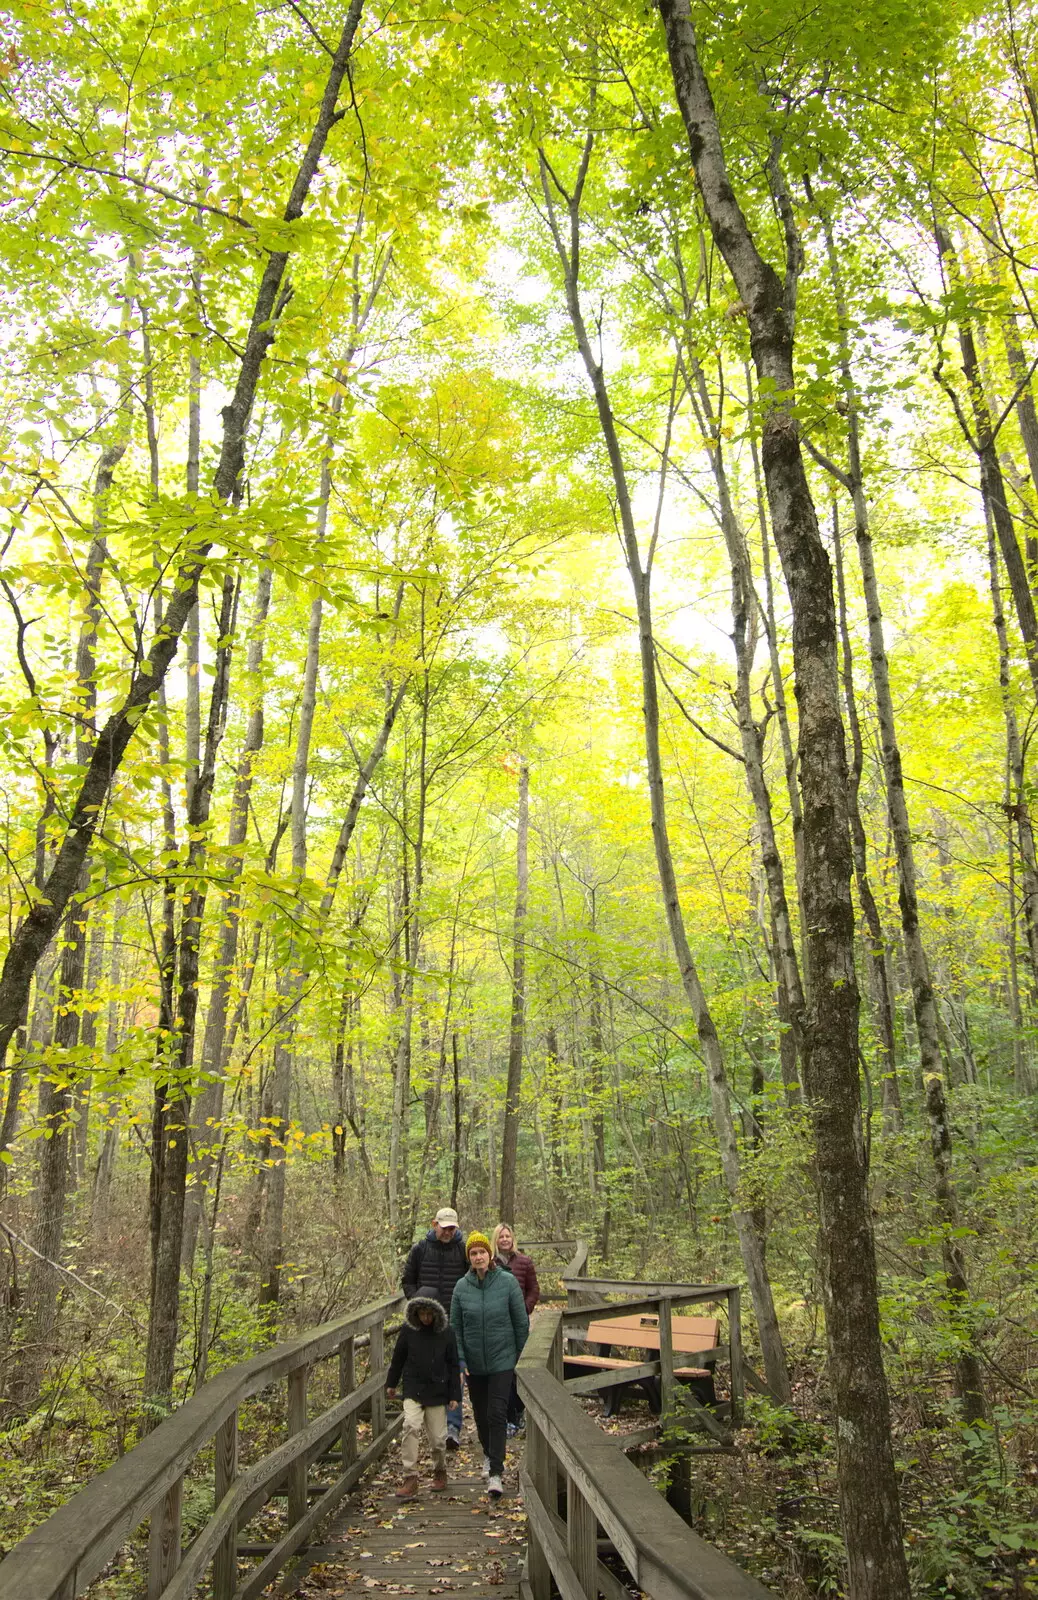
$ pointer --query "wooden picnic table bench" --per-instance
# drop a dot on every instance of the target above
(691, 1335)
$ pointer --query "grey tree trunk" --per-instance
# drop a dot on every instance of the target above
(879, 966)
(969, 1382)
(517, 1026)
(214, 1063)
(867, 1480)
(923, 997)
(171, 1124)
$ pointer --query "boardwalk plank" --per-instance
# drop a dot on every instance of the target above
(452, 1546)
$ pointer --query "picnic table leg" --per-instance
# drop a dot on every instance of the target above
(666, 1356)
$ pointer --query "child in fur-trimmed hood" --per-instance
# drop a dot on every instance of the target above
(425, 1358)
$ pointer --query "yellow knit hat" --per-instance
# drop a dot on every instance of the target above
(475, 1240)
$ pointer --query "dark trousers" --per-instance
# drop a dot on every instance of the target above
(490, 1392)
(516, 1409)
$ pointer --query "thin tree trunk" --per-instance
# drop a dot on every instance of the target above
(517, 1025)
(879, 967)
(214, 1060)
(709, 1044)
(969, 1382)
(923, 997)
(456, 1095)
(39, 1313)
(172, 1124)
(744, 640)
(1018, 811)
(982, 441)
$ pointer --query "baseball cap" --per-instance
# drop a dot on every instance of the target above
(446, 1217)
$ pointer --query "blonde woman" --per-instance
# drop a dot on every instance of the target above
(520, 1265)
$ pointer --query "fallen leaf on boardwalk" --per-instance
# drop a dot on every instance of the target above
(493, 1533)
(419, 1544)
(364, 1553)
(495, 1572)
(372, 1583)
(436, 1561)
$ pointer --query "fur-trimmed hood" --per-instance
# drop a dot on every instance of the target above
(423, 1302)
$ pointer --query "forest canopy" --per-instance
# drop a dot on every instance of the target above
(518, 666)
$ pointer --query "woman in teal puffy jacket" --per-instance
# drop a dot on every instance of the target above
(490, 1322)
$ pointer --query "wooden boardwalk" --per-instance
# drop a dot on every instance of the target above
(438, 1545)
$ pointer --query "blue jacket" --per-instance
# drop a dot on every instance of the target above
(490, 1321)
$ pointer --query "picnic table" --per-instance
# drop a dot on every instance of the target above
(617, 1375)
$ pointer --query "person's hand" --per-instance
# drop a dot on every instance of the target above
(390, 1394)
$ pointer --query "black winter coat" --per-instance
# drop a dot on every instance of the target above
(433, 1268)
(426, 1358)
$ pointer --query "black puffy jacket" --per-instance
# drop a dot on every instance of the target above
(426, 1359)
(433, 1268)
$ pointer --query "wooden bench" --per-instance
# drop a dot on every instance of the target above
(692, 1336)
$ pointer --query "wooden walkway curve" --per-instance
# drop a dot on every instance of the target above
(572, 1495)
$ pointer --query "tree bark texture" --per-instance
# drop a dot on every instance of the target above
(969, 1382)
(213, 1065)
(879, 966)
(868, 1485)
(172, 1124)
(923, 997)
(517, 1026)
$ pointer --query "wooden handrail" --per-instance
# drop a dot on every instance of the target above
(666, 1560)
(65, 1554)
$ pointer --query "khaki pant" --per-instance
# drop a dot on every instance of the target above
(435, 1419)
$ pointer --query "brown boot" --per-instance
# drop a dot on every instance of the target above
(408, 1489)
(439, 1481)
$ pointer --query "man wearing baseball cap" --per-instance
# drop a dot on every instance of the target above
(433, 1266)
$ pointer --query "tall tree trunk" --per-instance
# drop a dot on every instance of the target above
(172, 1123)
(214, 1061)
(923, 997)
(105, 1169)
(879, 966)
(744, 640)
(983, 442)
(568, 251)
(39, 1312)
(868, 1483)
(1018, 810)
(792, 788)
(969, 1382)
(517, 1025)
(58, 1088)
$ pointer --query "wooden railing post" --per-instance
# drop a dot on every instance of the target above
(540, 1466)
(347, 1384)
(164, 1539)
(581, 1538)
(735, 1356)
(376, 1362)
(225, 1561)
(556, 1364)
(297, 1474)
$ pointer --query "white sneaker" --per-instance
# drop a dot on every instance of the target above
(486, 1467)
(495, 1488)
